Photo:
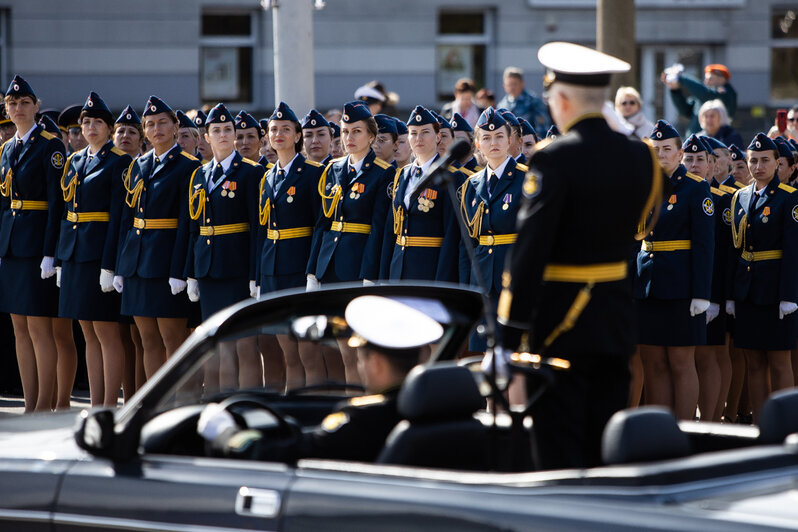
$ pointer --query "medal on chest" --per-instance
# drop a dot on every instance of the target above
(291, 192)
(508, 198)
(426, 200)
(357, 190)
(229, 189)
(671, 202)
(765, 214)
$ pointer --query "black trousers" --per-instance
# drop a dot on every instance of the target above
(569, 418)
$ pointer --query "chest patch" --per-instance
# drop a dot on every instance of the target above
(708, 207)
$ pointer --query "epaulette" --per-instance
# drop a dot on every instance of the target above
(717, 191)
(543, 143)
(248, 161)
(478, 169)
(524, 168)
(452, 168)
(382, 164)
(188, 156)
(739, 185)
(205, 161)
(788, 188)
(466, 171)
(728, 189)
(313, 163)
(269, 166)
(695, 177)
(117, 151)
(367, 400)
(46, 134)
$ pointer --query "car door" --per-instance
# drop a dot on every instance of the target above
(160, 492)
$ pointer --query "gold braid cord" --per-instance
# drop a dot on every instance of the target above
(197, 212)
(329, 202)
(398, 212)
(474, 224)
(132, 195)
(738, 232)
(265, 210)
(654, 200)
(5, 185)
(69, 190)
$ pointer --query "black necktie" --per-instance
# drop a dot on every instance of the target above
(492, 180)
(279, 180)
(218, 174)
(351, 174)
(15, 152)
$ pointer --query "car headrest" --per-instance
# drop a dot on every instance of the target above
(645, 434)
(779, 416)
(442, 391)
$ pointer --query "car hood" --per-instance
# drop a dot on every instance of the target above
(41, 436)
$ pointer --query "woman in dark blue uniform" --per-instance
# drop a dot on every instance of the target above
(220, 268)
(421, 238)
(30, 168)
(154, 238)
(673, 280)
(317, 137)
(250, 137)
(765, 291)
(87, 245)
(489, 202)
(289, 209)
(355, 203)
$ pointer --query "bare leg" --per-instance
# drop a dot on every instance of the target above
(685, 381)
(113, 359)
(250, 369)
(334, 363)
(41, 333)
(636, 383)
(274, 377)
(349, 356)
(152, 344)
(26, 359)
(94, 363)
(129, 373)
(67, 361)
(656, 375)
(141, 375)
(294, 371)
(313, 362)
(780, 370)
(737, 381)
(706, 365)
(724, 363)
(173, 332)
(228, 366)
(757, 380)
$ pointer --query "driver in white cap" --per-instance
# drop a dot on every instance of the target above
(388, 335)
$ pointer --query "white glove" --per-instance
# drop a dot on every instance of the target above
(713, 311)
(313, 283)
(119, 283)
(177, 285)
(366, 282)
(213, 421)
(500, 356)
(258, 293)
(58, 276)
(697, 306)
(786, 307)
(730, 307)
(48, 267)
(106, 280)
(192, 288)
(253, 289)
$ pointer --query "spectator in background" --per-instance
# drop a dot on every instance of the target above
(378, 98)
(714, 121)
(521, 103)
(333, 116)
(689, 94)
(463, 104)
(485, 98)
(791, 131)
(629, 105)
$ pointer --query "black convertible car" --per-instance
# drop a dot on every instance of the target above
(450, 465)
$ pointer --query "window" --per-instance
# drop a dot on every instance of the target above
(463, 37)
(226, 64)
(784, 55)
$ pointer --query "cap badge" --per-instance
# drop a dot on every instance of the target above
(16, 87)
(454, 124)
(491, 126)
(659, 134)
(128, 116)
(695, 148)
(222, 118)
(418, 118)
(346, 118)
(90, 103)
(153, 108)
(313, 122)
(196, 120)
(279, 114)
(758, 144)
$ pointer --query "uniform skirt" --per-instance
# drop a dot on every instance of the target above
(667, 322)
(152, 298)
(716, 329)
(23, 291)
(759, 327)
(216, 294)
(81, 297)
(272, 283)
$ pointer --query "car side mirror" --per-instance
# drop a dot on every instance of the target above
(95, 432)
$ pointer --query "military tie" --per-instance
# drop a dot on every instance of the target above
(279, 180)
(351, 175)
(492, 180)
(16, 150)
(218, 175)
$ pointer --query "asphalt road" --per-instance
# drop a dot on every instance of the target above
(14, 404)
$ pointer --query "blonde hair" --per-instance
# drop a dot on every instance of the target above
(622, 92)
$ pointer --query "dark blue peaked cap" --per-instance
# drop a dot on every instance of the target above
(461, 124)
(491, 119)
(421, 116)
(95, 107)
(762, 142)
(314, 119)
(128, 116)
(219, 115)
(283, 112)
(693, 144)
(156, 106)
(509, 117)
(49, 125)
(184, 121)
(385, 124)
(401, 127)
(355, 111)
(664, 131)
(526, 128)
(244, 120)
(20, 87)
(736, 153)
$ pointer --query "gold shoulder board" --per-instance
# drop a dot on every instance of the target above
(695, 177)
(188, 156)
(381, 163)
(117, 151)
(524, 168)
(47, 135)
(788, 188)
(249, 161)
(313, 163)
(367, 400)
(728, 189)
(717, 191)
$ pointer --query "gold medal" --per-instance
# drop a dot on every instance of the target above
(505, 207)
(430, 204)
(357, 196)
(764, 219)
(224, 192)
(670, 207)
(290, 199)
(352, 195)
(231, 194)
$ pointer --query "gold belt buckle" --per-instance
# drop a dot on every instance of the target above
(276, 234)
(403, 241)
(209, 229)
(490, 240)
(143, 223)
